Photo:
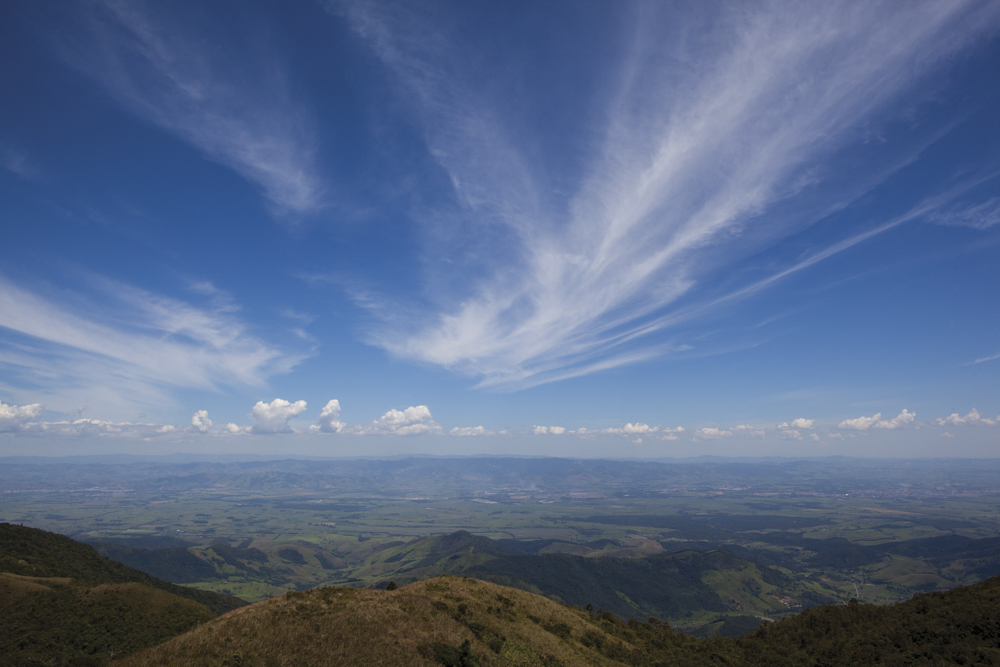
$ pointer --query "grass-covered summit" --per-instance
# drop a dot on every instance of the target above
(460, 622)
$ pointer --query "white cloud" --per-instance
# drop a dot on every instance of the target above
(329, 418)
(992, 357)
(557, 430)
(971, 419)
(875, 421)
(711, 433)
(539, 430)
(789, 434)
(470, 430)
(122, 346)
(799, 423)
(814, 437)
(200, 421)
(101, 428)
(18, 163)
(899, 421)
(13, 418)
(237, 110)
(414, 420)
(861, 423)
(747, 429)
(979, 216)
(233, 429)
(684, 178)
(273, 417)
(631, 429)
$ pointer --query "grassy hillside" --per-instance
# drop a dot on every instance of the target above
(61, 603)
(57, 620)
(956, 627)
(455, 621)
(37, 553)
(447, 620)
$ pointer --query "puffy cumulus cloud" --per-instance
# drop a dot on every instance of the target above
(233, 429)
(411, 421)
(814, 437)
(875, 421)
(14, 418)
(798, 423)
(632, 429)
(200, 421)
(899, 421)
(329, 418)
(550, 430)
(711, 433)
(273, 417)
(789, 434)
(747, 429)
(671, 433)
(861, 423)
(971, 419)
(470, 430)
(557, 430)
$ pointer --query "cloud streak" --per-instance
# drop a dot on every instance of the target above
(240, 114)
(692, 168)
(131, 350)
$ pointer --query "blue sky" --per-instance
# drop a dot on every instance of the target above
(572, 228)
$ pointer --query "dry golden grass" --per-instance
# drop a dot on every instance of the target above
(347, 626)
(15, 585)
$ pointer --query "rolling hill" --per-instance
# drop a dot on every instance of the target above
(686, 587)
(63, 603)
(461, 622)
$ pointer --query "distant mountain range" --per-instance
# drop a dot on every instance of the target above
(64, 604)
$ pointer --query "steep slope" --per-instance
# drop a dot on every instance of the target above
(956, 627)
(57, 620)
(37, 553)
(62, 603)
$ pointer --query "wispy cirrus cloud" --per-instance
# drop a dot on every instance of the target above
(135, 348)
(708, 137)
(982, 215)
(237, 110)
(992, 357)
